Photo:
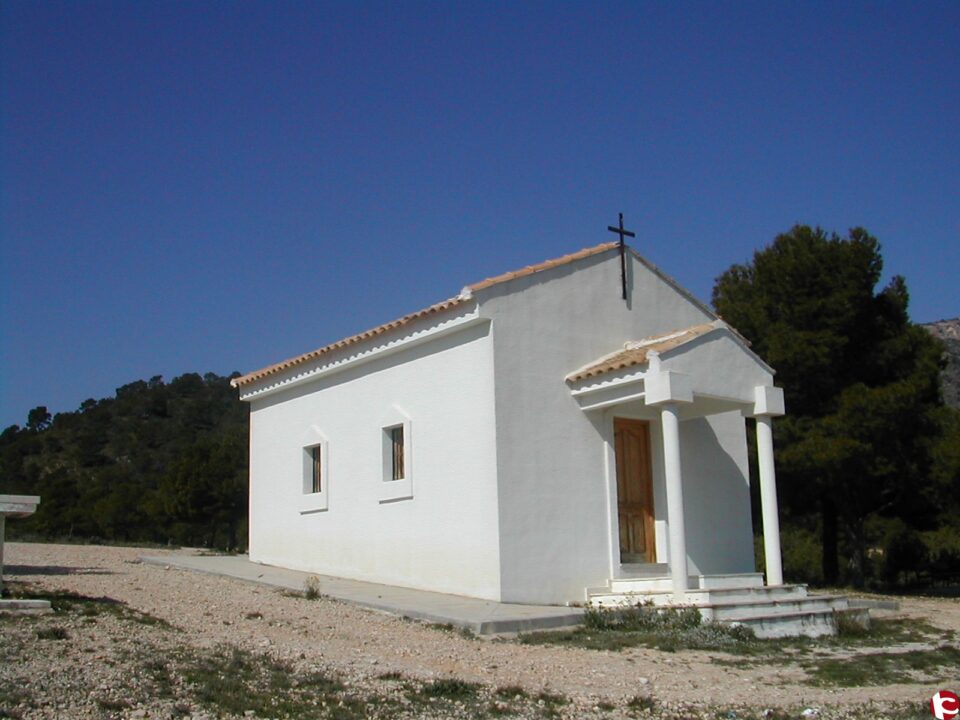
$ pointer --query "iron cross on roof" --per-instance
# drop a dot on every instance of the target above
(623, 260)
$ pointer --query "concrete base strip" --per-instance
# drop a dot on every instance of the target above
(483, 617)
(25, 607)
(871, 604)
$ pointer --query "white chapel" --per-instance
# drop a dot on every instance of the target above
(538, 438)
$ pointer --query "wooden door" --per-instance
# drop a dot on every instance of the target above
(634, 491)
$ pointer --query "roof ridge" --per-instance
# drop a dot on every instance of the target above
(539, 267)
(463, 297)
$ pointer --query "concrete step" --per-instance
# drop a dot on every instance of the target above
(810, 617)
(731, 581)
(645, 570)
(651, 582)
(739, 610)
(619, 593)
(742, 594)
(773, 611)
(642, 585)
(811, 623)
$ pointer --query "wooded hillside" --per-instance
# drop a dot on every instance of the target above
(159, 462)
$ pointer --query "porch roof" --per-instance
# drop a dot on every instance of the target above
(707, 369)
(635, 352)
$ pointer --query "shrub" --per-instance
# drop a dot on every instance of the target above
(943, 548)
(641, 703)
(641, 617)
(904, 555)
(52, 633)
(801, 555)
(451, 689)
(311, 588)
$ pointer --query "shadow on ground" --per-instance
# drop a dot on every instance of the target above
(53, 570)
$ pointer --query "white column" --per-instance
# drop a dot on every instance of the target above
(671, 465)
(768, 501)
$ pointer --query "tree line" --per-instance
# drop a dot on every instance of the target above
(868, 456)
(158, 462)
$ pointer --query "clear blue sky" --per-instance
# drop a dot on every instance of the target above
(206, 186)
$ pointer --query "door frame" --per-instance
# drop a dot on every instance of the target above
(604, 422)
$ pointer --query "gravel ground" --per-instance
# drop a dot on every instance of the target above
(167, 643)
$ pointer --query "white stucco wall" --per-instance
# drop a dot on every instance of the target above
(554, 499)
(716, 495)
(721, 366)
(444, 538)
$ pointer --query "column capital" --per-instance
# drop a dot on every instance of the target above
(667, 386)
(768, 400)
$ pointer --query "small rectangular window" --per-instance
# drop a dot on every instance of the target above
(315, 473)
(316, 453)
(396, 456)
(396, 440)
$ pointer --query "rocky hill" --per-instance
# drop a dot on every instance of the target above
(948, 331)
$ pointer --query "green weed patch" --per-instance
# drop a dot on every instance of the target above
(665, 629)
(886, 668)
(235, 681)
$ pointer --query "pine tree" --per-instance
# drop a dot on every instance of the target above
(861, 385)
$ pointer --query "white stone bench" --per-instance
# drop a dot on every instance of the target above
(17, 506)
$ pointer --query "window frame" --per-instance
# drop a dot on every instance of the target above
(308, 500)
(392, 488)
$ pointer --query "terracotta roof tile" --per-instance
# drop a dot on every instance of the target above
(406, 319)
(352, 340)
(546, 265)
(636, 352)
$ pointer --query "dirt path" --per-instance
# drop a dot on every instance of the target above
(363, 646)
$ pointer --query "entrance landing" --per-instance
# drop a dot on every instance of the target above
(483, 617)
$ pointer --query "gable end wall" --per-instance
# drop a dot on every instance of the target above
(553, 499)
